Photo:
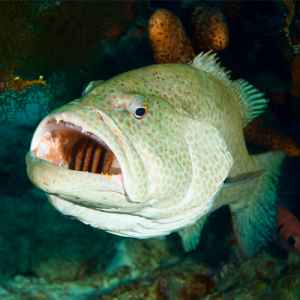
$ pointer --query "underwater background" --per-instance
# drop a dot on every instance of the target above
(49, 50)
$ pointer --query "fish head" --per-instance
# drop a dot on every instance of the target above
(154, 179)
(151, 171)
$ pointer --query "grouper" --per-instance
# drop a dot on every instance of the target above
(156, 150)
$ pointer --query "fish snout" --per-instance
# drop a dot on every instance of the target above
(77, 140)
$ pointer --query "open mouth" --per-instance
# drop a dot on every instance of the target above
(68, 146)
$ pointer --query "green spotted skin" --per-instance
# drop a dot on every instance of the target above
(174, 161)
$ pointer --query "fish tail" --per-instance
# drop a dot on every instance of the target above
(255, 220)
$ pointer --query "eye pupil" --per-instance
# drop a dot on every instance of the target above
(291, 241)
(140, 112)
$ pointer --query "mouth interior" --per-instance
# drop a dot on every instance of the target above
(67, 146)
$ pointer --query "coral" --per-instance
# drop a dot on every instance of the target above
(287, 56)
(127, 9)
(195, 287)
(269, 139)
(295, 91)
(168, 39)
(72, 32)
(277, 99)
(182, 281)
(17, 84)
(211, 31)
(11, 103)
(138, 30)
(17, 37)
(43, 37)
(11, 98)
(232, 8)
(262, 277)
(292, 28)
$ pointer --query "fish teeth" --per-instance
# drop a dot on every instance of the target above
(60, 164)
(82, 131)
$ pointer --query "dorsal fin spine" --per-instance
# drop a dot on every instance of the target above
(208, 63)
(251, 101)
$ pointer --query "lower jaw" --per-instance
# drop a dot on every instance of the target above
(56, 180)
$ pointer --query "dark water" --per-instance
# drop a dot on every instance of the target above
(44, 255)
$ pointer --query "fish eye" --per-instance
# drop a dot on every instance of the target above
(141, 112)
(291, 240)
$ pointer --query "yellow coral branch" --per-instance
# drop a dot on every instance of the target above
(19, 84)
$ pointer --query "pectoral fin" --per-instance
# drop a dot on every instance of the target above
(254, 220)
(243, 178)
(190, 236)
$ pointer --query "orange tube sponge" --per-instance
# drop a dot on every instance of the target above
(211, 31)
(168, 39)
(269, 139)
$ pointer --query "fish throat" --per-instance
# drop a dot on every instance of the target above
(68, 146)
(89, 156)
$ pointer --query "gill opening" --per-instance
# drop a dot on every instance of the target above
(89, 156)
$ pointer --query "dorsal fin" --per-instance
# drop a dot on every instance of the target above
(208, 62)
(251, 101)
